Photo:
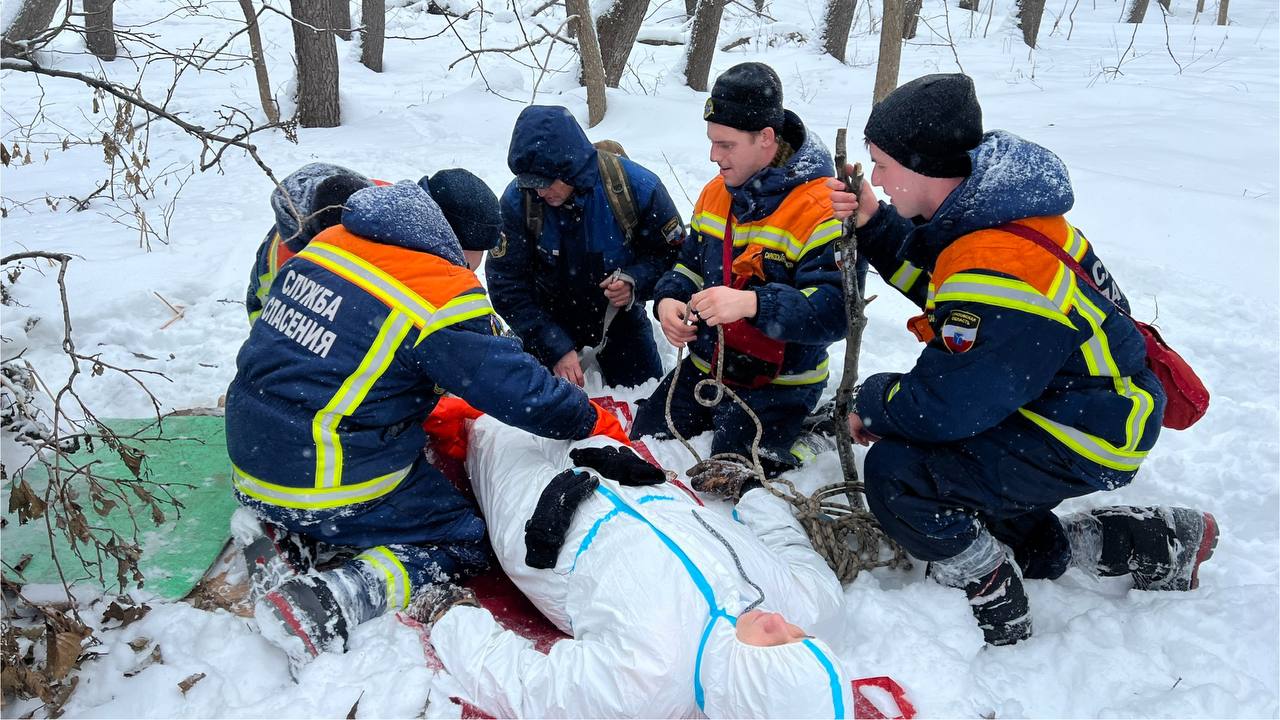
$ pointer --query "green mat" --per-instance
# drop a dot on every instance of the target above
(175, 554)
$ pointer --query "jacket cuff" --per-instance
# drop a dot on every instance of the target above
(766, 310)
(635, 289)
(872, 402)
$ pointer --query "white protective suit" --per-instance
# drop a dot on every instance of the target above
(649, 596)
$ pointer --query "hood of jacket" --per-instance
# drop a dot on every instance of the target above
(404, 215)
(548, 141)
(301, 186)
(760, 195)
(1012, 179)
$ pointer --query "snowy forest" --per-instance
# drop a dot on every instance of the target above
(141, 140)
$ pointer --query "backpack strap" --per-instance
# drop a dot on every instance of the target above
(532, 215)
(617, 189)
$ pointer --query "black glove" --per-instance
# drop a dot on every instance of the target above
(545, 530)
(723, 477)
(431, 602)
(620, 464)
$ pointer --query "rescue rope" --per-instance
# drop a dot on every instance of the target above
(843, 533)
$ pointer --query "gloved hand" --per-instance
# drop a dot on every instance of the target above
(431, 602)
(544, 531)
(607, 425)
(621, 465)
(724, 477)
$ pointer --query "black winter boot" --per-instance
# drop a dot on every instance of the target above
(274, 557)
(313, 613)
(990, 578)
(999, 604)
(1162, 547)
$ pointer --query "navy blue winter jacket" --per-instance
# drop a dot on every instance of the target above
(1015, 331)
(547, 289)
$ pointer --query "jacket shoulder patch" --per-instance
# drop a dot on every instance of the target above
(960, 331)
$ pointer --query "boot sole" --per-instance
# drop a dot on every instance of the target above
(291, 621)
(1208, 542)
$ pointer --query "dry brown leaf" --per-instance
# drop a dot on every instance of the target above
(126, 614)
(26, 503)
(185, 685)
(155, 658)
(64, 650)
(139, 643)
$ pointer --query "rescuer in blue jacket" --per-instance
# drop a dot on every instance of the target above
(572, 262)
(359, 336)
(1033, 385)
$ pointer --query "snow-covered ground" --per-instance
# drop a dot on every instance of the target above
(1172, 139)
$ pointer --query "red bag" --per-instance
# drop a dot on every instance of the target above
(1188, 398)
(751, 358)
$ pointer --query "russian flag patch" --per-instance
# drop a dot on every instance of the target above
(960, 331)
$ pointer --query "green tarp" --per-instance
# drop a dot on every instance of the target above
(175, 554)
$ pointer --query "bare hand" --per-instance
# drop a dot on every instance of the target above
(722, 305)
(619, 292)
(570, 368)
(844, 203)
(671, 315)
(859, 432)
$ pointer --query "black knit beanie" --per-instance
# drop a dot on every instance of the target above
(469, 205)
(929, 125)
(747, 96)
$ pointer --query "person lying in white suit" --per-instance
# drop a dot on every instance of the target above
(673, 609)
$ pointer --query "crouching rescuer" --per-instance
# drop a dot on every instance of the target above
(1033, 385)
(360, 335)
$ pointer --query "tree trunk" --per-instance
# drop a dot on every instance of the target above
(316, 53)
(1222, 12)
(592, 65)
(1137, 11)
(702, 43)
(100, 28)
(911, 18)
(970, 5)
(617, 30)
(339, 17)
(259, 63)
(690, 8)
(31, 19)
(836, 25)
(1030, 13)
(1199, 6)
(890, 50)
(373, 18)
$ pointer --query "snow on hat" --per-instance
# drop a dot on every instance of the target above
(929, 125)
(469, 205)
(312, 188)
(803, 679)
(747, 96)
